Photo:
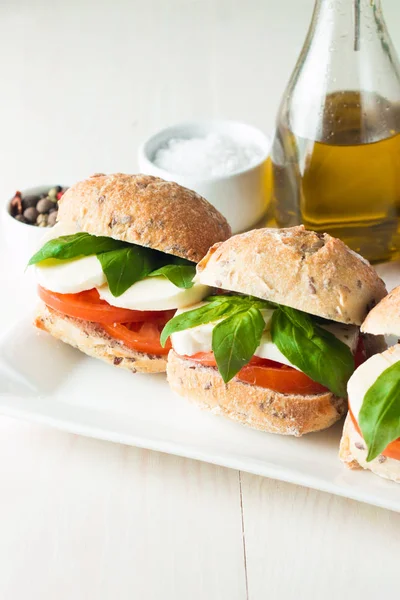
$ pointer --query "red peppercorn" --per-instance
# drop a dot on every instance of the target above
(16, 204)
(59, 195)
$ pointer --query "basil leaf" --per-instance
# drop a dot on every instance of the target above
(235, 340)
(198, 316)
(315, 351)
(177, 260)
(71, 246)
(379, 417)
(180, 275)
(218, 307)
(126, 266)
(299, 319)
(242, 301)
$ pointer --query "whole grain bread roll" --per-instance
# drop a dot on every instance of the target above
(144, 210)
(384, 319)
(353, 453)
(91, 339)
(312, 272)
(257, 407)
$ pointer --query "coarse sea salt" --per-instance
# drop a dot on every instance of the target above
(210, 156)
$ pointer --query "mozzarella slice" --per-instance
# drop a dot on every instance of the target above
(80, 274)
(199, 339)
(155, 293)
(67, 276)
(58, 230)
(267, 349)
(192, 341)
(70, 276)
(366, 375)
(348, 334)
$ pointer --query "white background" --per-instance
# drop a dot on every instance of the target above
(83, 82)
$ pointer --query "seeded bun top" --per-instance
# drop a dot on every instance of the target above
(144, 210)
(312, 272)
(384, 319)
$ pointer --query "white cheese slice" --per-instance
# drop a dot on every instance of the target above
(80, 274)
(70, 276)
(155, 293)
(58, 230)
(366, 375)
(67, 276)
(192, 341)
(199, 339)
(267, 349)
(348, 334)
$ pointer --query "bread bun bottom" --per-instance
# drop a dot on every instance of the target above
(252, 405)
(91, 339)
(353, 452)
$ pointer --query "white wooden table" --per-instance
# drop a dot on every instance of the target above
(83, 83)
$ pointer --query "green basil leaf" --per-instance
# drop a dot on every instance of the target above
(78, 244)
(235, 340)
(300, 320)
(379, 417)
(126, 266)
(177, 260)
(198, 316)
(242, 301)
(218, 307)
(315, 351)
(180, 275)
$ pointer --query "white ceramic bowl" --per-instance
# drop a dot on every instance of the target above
(243, 196)
(21, 240)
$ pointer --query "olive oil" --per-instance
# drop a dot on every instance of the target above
(342, 175)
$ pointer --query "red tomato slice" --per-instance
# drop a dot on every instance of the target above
(89, 307)
(268, 374)
(283, 379)
(205, 358)
(393, 449)
(142, 337)
(276, 376)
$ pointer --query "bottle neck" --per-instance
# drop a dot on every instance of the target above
(348, 6)
(347, 59)
(348, 22)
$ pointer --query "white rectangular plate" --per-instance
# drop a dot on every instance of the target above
(46, 381)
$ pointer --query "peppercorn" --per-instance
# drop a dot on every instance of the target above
(44, 205)
(31, 214)
(29, 201)
(51, 221)
(16, 204)
(41, 220)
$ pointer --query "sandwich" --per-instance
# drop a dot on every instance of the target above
(275, 345)
(371, 434)
(120, 262)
